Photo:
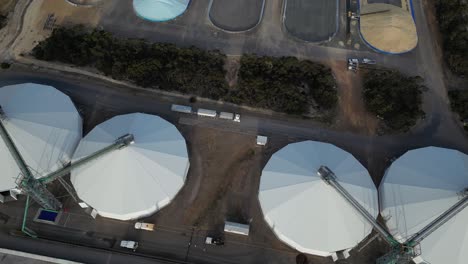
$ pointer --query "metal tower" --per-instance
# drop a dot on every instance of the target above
(26, 181)
(36, 188)
(401, 253)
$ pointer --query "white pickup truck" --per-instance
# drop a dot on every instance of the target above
(214, 241)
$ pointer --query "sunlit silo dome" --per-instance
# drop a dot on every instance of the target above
(417, 188)
(43, 124)
(136, 180)
(160, 10)
(307, 213)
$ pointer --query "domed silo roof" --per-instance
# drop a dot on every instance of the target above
(417, 188)
(43, 124)
(136, 180)
(307, 213)
(160, 10)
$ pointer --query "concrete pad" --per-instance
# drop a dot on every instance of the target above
(236, 15)
(313, 21)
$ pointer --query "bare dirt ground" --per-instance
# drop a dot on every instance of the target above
(232, 67)
(352, 115)
(36, 17)
(6, 6)
(220, 171)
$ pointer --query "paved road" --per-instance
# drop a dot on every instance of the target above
(372, 151)
(71, 252)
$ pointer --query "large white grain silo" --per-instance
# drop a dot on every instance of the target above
(307, 213)
(418, 188)
(136, 180)
(44, 126)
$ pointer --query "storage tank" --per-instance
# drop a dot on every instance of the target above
(136, 180)
(44, 126)
(417, 188)
(160, 10)
(307, 213)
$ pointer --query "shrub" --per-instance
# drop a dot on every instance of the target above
(393, 97)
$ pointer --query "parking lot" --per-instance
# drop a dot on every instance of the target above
(240, 15)
(313, 21)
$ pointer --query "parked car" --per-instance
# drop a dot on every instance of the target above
(144, 226)
(214, 241)
(129, 244)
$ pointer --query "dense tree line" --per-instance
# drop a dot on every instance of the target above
(284, 84)
(459, 103)
(394, 98)
(281, 84)
(161, 66)
(453, 22)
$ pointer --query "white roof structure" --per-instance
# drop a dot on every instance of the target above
(417, 188)
(136, 180)
(44, 126)
(160, 10)
(307, 213)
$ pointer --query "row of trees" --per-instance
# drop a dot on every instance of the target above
(161, 66)
(459, 103)
(282, 84)
(453, 22)
(394, 98)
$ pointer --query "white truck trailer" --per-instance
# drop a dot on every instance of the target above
(226, 115)
(181, 109)
(206, 112)
(236, 228)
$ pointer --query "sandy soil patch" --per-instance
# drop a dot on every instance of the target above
(63, 13)
(352, 115)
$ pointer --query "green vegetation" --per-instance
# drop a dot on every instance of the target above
(459, 103)
(284, 84)
(3, 20)
(281, 84)
(453, 23)
(394, 98)
(161, 66)
(5, 65)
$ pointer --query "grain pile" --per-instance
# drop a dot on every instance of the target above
(388, 28)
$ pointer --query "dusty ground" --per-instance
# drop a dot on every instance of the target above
(388, 28)
(352, 115)
(36, 17)
(232, 67)
(6, 6)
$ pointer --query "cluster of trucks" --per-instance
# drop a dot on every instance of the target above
(354, 63)
(206, 112)
(230, 227)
